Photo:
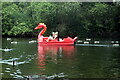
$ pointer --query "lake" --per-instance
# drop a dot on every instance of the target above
(24, 58)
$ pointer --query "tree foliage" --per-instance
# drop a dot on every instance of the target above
(70, 19)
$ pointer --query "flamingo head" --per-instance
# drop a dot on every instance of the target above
(41, 25)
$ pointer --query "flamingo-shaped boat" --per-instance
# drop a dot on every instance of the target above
(43, 40)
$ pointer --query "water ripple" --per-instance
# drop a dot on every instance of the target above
(97, 45)
(6, 50)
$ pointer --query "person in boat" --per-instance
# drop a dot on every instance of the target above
(53, 37)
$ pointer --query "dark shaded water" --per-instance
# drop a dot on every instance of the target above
(23, 58)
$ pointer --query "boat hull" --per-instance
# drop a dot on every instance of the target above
(56, 43)
(64, 42)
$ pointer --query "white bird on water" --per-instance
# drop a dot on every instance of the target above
(14, 42)
(79, 41)
(88, 39)
(116, 41)
(8, 38)
(96, 41)
(112, 41)
(115, 45)
(86, 42)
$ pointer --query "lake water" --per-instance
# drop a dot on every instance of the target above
(23, 58)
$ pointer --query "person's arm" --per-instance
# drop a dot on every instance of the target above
(49, 38)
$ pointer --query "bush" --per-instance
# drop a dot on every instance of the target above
(20, 29)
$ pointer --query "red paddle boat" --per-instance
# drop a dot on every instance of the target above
(44, 40)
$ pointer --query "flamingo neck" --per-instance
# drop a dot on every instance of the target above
(42, 32)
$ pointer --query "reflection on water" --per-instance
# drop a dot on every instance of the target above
(54, 54)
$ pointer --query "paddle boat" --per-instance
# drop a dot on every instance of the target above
(44, 40)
